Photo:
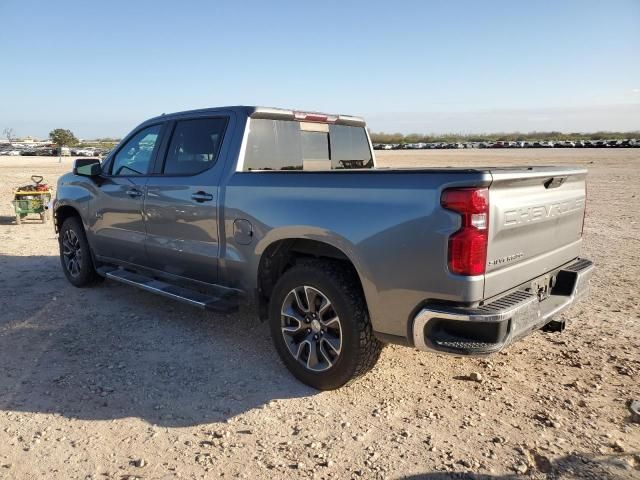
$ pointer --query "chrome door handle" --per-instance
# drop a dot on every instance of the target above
(202, 197)
(133, 192)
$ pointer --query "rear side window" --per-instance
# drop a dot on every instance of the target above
(292, 145)
(194, 146)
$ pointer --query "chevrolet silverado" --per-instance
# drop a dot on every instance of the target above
(287, 210)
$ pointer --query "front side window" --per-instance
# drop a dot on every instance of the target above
(194, 146)
(292, 145)
(135, 157)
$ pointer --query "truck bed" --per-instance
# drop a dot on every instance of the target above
(391, 224)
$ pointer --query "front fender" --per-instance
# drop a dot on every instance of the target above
(74, 195)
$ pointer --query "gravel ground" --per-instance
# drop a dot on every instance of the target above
(113, 383)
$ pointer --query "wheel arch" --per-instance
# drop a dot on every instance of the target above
(61, 213)
(281, 254)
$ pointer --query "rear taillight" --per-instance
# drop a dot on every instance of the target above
(468, 245)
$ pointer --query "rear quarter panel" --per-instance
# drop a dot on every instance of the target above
(389, 224)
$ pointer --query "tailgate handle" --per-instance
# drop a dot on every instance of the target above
(554, 182)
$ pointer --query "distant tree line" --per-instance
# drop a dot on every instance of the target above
(381, 137)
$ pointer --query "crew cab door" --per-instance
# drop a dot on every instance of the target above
(118, 230)
(181, 205)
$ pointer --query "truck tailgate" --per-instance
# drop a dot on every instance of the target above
(536, 217)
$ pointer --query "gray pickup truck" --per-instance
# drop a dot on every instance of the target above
(288, 211)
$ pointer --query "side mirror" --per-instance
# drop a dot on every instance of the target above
(87, 167)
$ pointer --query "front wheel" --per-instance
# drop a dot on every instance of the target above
(75, 255)
(320, 325)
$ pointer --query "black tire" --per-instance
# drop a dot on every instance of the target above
(359, 348)
(78, 265)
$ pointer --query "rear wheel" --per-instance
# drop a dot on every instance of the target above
(75, 255)
(320, 325)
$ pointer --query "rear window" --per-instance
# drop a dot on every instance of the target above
(291, 145)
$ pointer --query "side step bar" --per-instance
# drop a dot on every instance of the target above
(224, 303)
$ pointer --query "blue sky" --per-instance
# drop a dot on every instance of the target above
(100, 68)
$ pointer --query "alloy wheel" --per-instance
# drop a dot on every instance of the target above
(72, 253)
(311, 328)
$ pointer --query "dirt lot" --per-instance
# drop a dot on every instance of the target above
(115, 383)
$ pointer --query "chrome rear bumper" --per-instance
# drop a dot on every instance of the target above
(491, 327)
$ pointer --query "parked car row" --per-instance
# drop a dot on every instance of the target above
(628, 143)
(52, 151)
(85, 152)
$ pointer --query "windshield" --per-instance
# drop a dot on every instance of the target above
(293, 145)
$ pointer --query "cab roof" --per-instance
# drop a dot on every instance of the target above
(270, 113)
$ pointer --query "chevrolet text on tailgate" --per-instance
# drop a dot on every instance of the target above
(287, 210)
